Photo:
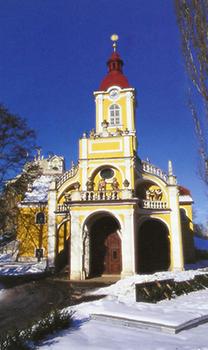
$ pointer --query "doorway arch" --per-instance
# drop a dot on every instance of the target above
(105, 255)
(63, 245)
(153, 247)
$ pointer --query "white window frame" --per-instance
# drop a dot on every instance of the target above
(115, 119)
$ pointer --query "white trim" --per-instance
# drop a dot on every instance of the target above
(129, 115)
(98, 92)
(84, 174)
(63, 222)
(114, 103)
(155, 180)
(128, 171)
(84, 148)
(126, 139)
(99, 100)
(154, 217)
(186, 198)
(95, 212)
(107, 165)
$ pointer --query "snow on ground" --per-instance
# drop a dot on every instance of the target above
(99, 335)
(15, 269)
(125, 288)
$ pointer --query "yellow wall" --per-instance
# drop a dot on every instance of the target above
(31, 235)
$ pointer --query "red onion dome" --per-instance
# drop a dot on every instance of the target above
(115, 74)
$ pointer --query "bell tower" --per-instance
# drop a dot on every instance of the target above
(115, 99)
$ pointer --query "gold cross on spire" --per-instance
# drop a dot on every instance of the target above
(114, 38)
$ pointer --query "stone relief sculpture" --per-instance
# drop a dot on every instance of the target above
(154, 195)
(158, 194)
(90, 184)
(115, 184)
(102, 185)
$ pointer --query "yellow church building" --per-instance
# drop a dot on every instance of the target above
(112, 213)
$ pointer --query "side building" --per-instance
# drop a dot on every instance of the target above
(113, 213)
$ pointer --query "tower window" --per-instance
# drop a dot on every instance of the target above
(115, 115)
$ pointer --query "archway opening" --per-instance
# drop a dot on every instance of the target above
(62, 260)
(153, 247)
(105, 246)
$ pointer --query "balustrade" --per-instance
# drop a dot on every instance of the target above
(62, 208)
(150, 168)
(67, 175)
(153, 204)
(100, 195)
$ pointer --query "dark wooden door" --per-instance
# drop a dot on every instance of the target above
(112, 258)
(105, 248)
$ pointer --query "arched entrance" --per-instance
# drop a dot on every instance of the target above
(63, 246)
(153, 247)
(104, 246)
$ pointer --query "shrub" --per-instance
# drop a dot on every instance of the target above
(27, 338)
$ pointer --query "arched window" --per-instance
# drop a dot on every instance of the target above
(115, 115)
(40, 218)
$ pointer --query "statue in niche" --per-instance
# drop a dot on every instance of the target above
(150, 195)
(90, 184)
(158, 194)
(154, 195)
(102, 185)
(115, 184)
(147, 195)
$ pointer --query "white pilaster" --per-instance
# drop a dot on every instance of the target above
(52, 197)
(176, 235)
(129, 111)
(128, 246)
(84, 166)
(99, 112)
(76, 248)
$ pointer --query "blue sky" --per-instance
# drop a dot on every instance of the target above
(53, 55)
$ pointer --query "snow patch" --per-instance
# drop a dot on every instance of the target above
(40, 189)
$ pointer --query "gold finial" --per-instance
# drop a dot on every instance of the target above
(114, 38)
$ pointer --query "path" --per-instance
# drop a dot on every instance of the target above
(25, 303)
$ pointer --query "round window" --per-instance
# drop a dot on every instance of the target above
(107, 173)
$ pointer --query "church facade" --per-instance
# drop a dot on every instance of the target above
(113, 213)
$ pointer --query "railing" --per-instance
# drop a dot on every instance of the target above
(67, 175)
(100, 195)
(62, 208)
(153, 204)
(152, 169)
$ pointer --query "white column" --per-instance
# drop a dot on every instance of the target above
(99, 112)
(129, 115)
(128, 246)
(52, 200)
(76, 248)
(176, 235)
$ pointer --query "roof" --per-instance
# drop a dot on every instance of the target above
(184, 195)
(183, 191)
(39, 190)
(115, 76)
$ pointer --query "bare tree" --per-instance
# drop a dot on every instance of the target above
(192, 18)
(17, 142)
